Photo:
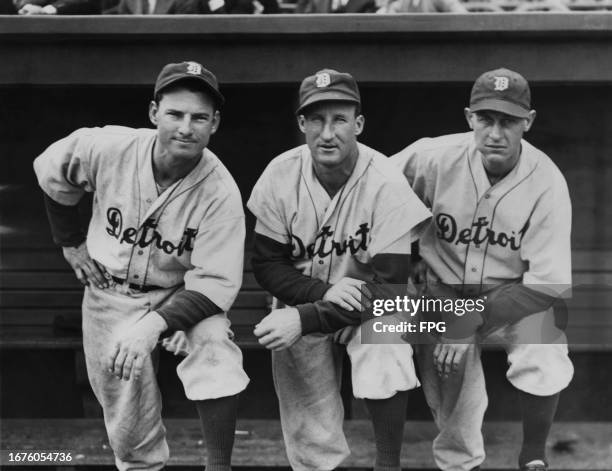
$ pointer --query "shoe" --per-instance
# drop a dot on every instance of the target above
(535, 465)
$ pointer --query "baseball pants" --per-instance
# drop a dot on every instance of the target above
(458, 403)
(132, 409)
(307, 381)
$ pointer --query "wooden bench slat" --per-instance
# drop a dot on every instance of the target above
(69, 298)
(592, 260)
(65, 279)
(71, 316)
(259, 443)
(49, 258)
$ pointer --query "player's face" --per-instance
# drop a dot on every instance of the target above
(331, 129)
(185, 121)
(498, 138)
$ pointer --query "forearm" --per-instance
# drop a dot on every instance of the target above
(275, 272)
(186, 309)
(511, 303)
(390, 277)
(64, 222)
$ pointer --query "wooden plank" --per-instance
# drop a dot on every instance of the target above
(592, 260)
(464, 45)
(47, 338)
(65, 279)
(582, 298)
(50, 259)
(294, 25)
(69, 298)
(71, 316)
(259, 443)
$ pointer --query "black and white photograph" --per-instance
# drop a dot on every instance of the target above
(306, 235)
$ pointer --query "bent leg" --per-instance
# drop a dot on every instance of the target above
(132, 409)
(307, 381)
(212, 376)
(458, 404)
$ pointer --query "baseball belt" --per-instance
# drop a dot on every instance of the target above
(134, 286)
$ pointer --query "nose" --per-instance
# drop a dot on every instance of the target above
(185, 126)
(496, 131)
(327, 133)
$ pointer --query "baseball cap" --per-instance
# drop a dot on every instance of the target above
(328, 85)
(501, 90)
(172, 73)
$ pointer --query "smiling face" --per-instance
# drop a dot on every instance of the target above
(498, 138)
(331, 129)
(185, 120)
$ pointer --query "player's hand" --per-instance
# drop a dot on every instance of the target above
(177, 343)
(280, 329)
(418, 272)
(86, 270)
(133, 345)
(349, 293)
(30, 9)
(447, 357)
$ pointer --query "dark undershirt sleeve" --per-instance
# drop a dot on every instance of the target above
(326, 317)
(513, 302)
(65, 223)
(186, 309)
(274, 271)
(77, 7)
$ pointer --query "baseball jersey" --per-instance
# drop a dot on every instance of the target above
(516, 230)
(332, 238)
(191, 234)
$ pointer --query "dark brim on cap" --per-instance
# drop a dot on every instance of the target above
(332, 95)
(502, 106)
(216, 94)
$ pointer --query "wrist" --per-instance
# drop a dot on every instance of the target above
(157, 322)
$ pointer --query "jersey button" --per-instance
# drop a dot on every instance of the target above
(474, 269)
(136, 277)
(487, 196)
(321, 262)
(140, 252)
(148, 200)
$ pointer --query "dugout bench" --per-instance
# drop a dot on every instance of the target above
(40, 312)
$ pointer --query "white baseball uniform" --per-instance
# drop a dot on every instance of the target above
(189, 237)
(332, 238)
(483, 236)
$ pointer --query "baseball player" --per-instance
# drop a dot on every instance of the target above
(162, 257)
(331, 215)
(500, 231)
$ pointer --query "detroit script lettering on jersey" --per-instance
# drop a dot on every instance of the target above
(147, 235)
(478, 232)
(324, 245)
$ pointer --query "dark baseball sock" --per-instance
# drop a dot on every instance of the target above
(218, 418)
(538, 413)
(388, 417)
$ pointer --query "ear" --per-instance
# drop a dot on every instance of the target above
(301, 120)
(359, 124)
(216, 122)
(468, 117)
(153, 112)
(529, 120)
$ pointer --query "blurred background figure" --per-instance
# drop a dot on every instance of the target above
(335, 6)
(56, 7)
(420, 6)
(194, 7)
